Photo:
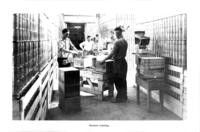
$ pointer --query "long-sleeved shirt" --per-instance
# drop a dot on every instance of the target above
(119, 50)
(118, 54)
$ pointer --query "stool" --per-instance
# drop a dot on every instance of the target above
(150, 85)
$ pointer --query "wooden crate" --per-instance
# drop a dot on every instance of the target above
(44, 76)
(137, 56)
(26, 108)
(172, 102)
(51, 85)
(146, 72)
(106, 67)
(78, 62)
(33, 105)
(69, 81)
(100, 67)
(95, 82)
(152, 62)
(151, 67)
(151, 83)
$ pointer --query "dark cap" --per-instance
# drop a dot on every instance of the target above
(65, 30)
(118, 29)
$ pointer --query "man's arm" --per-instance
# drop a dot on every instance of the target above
(114, 50)
(81, 45)
(67, 51)
(61, 48)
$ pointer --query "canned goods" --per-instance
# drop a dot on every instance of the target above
(15, 48)
(26, 69)
(32, 46)
(22, 47)
(26, 57)
(25, 34)
(17, 74)
(29, 46)
(17, 60)
(20, 35)
(22, 58)
(25, 46)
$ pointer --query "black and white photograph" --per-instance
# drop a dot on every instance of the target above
(99, 67)
(105, 66)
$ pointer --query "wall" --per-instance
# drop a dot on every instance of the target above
(168, 38)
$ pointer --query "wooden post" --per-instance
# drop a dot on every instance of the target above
(161, 99)
(138, 94)
(148, 99)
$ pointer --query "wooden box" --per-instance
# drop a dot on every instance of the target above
(105, 67)
(87, 61)
(100, 67)
(152, 62)
(69, 82)
(152, 84)
(78, 62)
(139, 55)
(146, 72)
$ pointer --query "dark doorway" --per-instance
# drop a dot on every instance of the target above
(76, 33)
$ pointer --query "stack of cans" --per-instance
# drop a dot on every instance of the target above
(69, 89)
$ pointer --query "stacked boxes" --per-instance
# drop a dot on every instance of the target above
(151, 67)
(151, 76)
(78, 62)
(151, 83)
(96, 80)
(69, 89)
(69, 82)
(100, 67)
(106, 67)
(84, 62)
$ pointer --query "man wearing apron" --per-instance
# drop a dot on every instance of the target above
(65, 55)
(118, 54)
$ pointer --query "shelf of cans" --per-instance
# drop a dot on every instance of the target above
(25, 45)
(33, 46)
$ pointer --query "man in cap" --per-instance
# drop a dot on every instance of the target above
(118, 54)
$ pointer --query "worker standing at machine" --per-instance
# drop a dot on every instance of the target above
(66, 49)
(118, 54)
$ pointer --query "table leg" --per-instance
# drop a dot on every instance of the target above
(148, 99)
(161, 99)
(100, 96)
(138, 94)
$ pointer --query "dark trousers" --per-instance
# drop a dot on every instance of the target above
(62, 62)
(119, 78)
(121, 86)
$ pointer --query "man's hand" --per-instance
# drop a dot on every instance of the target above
(74, 52)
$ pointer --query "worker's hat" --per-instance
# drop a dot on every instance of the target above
(119, 28)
